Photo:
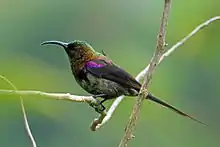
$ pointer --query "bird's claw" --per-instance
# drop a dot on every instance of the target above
(100, 109)
(98, 106)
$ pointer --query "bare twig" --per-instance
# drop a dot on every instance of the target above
(58, 96)
(26, 124)
(27, 127)
(99, 122)
(141, 75)
(181, 42)
(153, 64)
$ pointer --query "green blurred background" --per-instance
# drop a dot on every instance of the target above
(126, 30)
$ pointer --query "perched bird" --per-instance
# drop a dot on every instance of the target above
(99, 76)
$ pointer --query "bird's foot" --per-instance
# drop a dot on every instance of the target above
(98, 106)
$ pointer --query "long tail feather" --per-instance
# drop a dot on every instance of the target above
(165, 104)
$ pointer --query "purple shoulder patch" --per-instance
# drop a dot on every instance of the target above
(92, 64)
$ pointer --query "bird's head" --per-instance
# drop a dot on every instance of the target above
(76, 50)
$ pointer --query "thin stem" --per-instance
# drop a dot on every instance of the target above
(26, 124)
(141, 75)
(153, 64)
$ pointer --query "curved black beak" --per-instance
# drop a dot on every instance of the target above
(63, 44)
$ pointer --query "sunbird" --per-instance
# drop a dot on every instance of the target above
(99, 76)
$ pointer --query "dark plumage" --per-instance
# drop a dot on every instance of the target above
(98, 75)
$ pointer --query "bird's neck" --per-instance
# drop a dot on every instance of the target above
(78, 64)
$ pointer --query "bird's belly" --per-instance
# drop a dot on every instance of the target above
(96, 86)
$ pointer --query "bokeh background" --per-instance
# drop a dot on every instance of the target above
(126, 30)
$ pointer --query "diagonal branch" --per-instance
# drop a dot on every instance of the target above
(141, 75)
(153, 64)
(181, 42)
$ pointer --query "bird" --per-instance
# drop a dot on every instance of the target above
(100, 76)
